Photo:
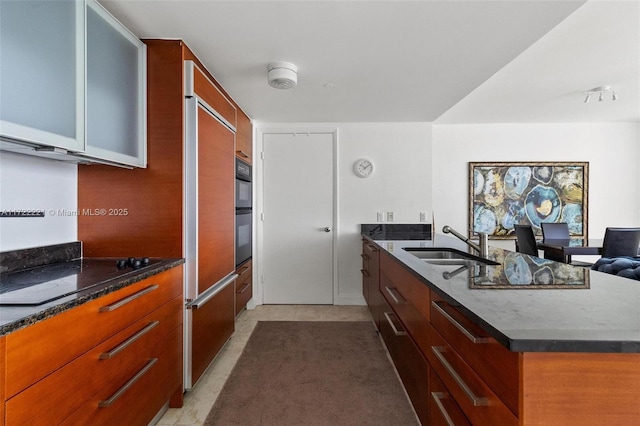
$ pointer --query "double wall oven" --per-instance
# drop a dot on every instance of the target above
(243, 212)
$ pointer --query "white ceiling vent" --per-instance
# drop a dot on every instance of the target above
(282, 75)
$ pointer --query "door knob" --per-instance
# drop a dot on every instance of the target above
(327, 229)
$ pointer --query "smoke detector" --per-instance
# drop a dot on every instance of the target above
(282, 75)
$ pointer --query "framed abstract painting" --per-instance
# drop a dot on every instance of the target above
(503, 194)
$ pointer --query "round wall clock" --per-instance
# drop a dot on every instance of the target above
(363, 167)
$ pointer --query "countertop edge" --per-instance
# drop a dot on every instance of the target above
(514, 345)
(91, 294)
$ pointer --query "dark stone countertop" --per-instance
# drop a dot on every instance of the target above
(89, 279)
(530, 304)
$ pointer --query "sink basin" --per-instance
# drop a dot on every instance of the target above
(447, 256)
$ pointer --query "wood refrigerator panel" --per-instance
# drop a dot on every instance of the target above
(216, 211)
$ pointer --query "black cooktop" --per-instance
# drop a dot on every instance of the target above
(46, 283)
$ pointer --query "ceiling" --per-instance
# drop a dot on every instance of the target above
(410, 61)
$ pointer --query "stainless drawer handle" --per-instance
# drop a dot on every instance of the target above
(120, 303)
(462, 328)
(243, 270)
(399, 300)
(115, 351)
(475, 400)
(393, 326)
(243, 154)
(364, 256)
(365, 273)
(244, 288)
(126, 386)
(209, 293)
(437, 397)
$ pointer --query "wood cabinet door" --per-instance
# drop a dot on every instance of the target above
(216, 195)
(213, 324)
(244, 138)
(409, 362)
(244, 285)
(2, 370)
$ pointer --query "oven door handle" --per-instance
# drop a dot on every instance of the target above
(208, 294)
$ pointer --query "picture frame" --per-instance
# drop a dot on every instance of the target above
(502, 194)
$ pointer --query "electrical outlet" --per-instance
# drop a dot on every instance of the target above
(389, 216)
(423, 217)
(380, 217)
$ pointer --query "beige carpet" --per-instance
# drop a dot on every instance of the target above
(312, 373)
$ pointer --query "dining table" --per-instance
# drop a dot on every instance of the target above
(561, 250)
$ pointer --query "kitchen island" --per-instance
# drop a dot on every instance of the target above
(522, 340)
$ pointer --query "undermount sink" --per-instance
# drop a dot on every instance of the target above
(447, 256)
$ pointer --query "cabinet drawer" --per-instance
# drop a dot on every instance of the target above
(149, 388)
(244, 286)
(408, 360)
(39, 349)
(414, 322)
(443, 411)
(407, 284)
(107, 366)
(495, 364)
(476, 399)
(212, 325)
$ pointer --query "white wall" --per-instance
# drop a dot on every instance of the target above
(401, 183)
(612, 150)
(34, 183)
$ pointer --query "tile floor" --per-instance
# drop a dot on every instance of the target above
(198, 402)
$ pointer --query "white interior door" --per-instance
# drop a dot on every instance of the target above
(298, 218)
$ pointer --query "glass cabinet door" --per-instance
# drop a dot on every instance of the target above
(116, 90)
(42, 72)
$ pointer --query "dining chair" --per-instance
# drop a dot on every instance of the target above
(620, 242)
(560, 231)
(555, 230)
(525, 240)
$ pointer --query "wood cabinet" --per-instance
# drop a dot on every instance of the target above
(244, 138)
(182, 204)
(371, 280)
(494, 364)
(61, 103)
(117, 359)
(473, 379)
(409, 362)
(244, 285)
(212, 326)
(3, 369)
(443, 410)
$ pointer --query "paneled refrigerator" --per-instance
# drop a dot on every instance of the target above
(209, 238)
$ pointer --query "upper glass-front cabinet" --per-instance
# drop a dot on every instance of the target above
(116, 90)
(42, 72)
(71, 77)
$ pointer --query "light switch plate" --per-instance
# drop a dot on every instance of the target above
(380, 217)
(423, 217)
(389, 216)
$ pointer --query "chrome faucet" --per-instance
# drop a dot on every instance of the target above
(482, 248)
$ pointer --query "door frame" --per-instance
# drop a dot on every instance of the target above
(258, 170)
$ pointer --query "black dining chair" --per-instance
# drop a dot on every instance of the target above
(620, 242)
(560, 231)
(525, 240)
(555, 230)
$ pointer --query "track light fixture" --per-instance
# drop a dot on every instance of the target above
(602, 91)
